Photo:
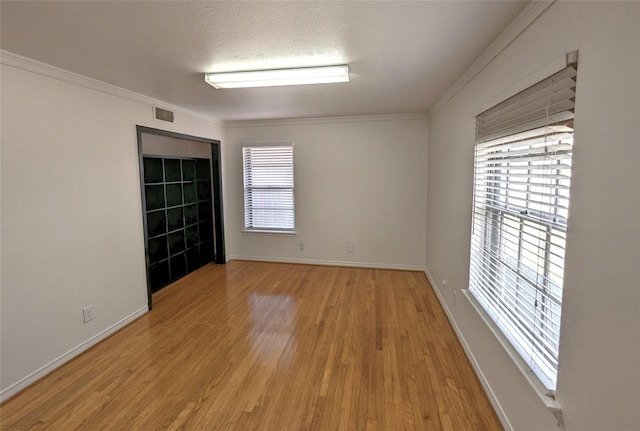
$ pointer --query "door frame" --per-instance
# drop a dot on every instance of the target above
(216, 176)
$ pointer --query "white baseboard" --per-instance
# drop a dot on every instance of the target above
(476, 367)
(7, 393)
(328, 262)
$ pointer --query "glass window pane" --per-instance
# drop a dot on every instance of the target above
(268, 179)
(156, 223)
(154, 197)
(520, 211)
(157, 249)
(178, 266)
(203, 170)
(175, 218)
(188, 170)
(153, 172)
(174, 195)
(176, 242)
(189, 191)
(190, 215)
(159, 275)
(172, 170)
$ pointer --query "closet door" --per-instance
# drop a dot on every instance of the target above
(179, 217)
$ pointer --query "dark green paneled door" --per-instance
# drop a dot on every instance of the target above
(179, 217)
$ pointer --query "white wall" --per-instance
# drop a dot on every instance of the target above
(599, 372)
(159, 145)
(71, 213)
(359, 180)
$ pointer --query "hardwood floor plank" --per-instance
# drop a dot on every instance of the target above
(267, 346)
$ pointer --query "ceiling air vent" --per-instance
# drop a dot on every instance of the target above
(164, 115)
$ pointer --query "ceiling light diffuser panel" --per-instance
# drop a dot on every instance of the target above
(279, 77)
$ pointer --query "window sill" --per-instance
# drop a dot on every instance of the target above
(546, 396)
(269, 232)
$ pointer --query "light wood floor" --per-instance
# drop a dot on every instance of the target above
(265, 346)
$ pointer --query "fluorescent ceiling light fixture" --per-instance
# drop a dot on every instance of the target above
(278, 77)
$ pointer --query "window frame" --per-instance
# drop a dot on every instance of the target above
(494, 191)
(249, 225)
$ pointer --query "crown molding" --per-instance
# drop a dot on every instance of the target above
(528, 15)
(327, 120)
(29, 65)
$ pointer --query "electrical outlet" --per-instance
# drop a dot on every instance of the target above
(87, 312)
(444, 283)
(302, 246)
(350, 247)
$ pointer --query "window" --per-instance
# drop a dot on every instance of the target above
(268, 188)
(522, 175)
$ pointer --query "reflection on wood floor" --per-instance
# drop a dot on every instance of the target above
(268, 346)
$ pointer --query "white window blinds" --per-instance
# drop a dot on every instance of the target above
(268, 188)
(522, 174)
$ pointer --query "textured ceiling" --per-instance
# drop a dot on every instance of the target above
(402, 55)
